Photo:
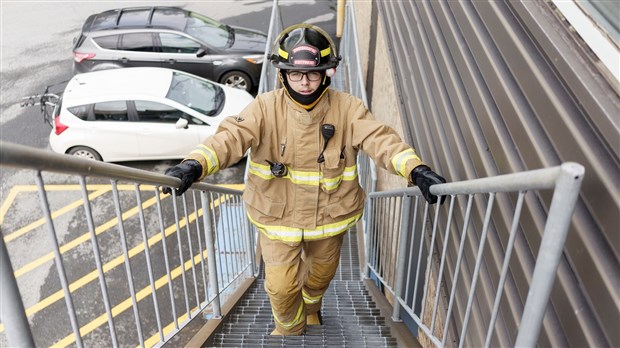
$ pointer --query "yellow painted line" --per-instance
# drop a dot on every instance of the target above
(84, 237)
(7, 203)
(67, 208)
(153, 340)
(99, 190)
(123, 306)
(119, 260)
(58, 295)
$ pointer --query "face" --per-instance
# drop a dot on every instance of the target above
(304, 83)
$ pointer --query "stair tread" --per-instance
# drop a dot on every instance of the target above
(350, 316)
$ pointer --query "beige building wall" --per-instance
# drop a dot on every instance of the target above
(491, 88)
(383, 97)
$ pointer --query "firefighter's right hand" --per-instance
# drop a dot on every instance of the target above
(188, 171)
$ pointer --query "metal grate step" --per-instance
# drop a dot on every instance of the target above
(350, 317)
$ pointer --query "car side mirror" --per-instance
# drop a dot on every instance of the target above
(201, 52)
(181, 123)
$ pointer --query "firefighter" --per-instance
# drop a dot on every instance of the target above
(302, 190)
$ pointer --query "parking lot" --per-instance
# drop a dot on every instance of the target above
(36, 52)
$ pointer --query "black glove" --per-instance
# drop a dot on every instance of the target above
(424, 178)
(188, 171)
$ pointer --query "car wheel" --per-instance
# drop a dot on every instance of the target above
(237, 79)
(85, 152)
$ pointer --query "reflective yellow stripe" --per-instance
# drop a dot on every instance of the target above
(283, 53)
(261, 171)
(297, 320)
(310, 299)
(331, 229)
(213, 164)
(330, 184)
(296, 176)
(299, 177)
(349, 174)
(304, 178)
(291, 234)
(326, 52)
(400, 161)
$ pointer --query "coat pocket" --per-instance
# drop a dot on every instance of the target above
(263, 203)
(350, 202)
(332, 170)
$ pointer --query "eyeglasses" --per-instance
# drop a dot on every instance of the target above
(296, 76)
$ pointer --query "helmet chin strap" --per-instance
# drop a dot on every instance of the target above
(305, 101)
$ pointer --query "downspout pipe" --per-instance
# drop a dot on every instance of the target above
(339, 18)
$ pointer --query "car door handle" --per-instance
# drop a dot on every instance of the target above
(171, 61)
(124, 59)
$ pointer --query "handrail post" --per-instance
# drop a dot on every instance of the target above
(400, 267)
(563, 203)
(211, 261)
(12, 309)
(367, 232)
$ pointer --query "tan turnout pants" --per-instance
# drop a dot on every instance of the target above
(296, 278)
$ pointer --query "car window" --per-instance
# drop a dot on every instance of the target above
(169, 18)
(111, 111)
(208, 31)
(107, 42)
(149, 111)
(80, 111)
(104, 20)
(139, 42)
(134, 17)
(174, 43)
(79, 41)
(196, 93)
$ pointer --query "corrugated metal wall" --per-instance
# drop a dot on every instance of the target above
(496, 87)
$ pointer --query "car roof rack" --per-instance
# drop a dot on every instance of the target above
(118, 13)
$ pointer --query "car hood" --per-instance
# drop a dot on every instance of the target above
(236, 100)
(247, 40)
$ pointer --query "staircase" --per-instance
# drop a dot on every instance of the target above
(350, 316)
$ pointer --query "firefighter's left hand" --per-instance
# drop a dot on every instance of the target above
(424, 178)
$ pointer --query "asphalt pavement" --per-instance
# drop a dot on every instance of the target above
(36, 40)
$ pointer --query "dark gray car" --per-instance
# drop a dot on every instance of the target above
(174, 38)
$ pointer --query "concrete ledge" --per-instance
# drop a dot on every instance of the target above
(399, 330)
(198, 332)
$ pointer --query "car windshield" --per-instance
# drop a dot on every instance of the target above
(209, 31)
(198, 94)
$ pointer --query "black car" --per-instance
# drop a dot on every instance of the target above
(171, 37)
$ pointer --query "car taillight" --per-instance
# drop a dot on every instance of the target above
(79, 57)
(59, 127)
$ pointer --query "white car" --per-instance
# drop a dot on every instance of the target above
(140, 114)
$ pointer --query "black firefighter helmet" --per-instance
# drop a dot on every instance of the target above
(304, 47)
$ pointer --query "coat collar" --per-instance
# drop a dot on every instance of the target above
(313, 116)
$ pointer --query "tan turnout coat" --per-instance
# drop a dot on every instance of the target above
(314, 200)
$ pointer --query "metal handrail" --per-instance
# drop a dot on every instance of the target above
(395, 214)
(220, 207)
(20, 156)
(367, 170)
(269, 78)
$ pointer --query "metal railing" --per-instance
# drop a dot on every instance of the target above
(269, 74)
(419, 256)
(355, 85)
(179, 254)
